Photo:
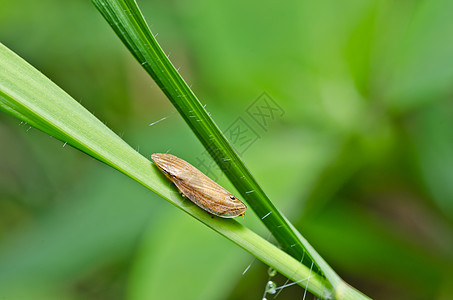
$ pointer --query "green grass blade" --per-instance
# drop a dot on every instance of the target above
(126, 20)
(28, 95)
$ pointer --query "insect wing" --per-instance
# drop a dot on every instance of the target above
(194, 195)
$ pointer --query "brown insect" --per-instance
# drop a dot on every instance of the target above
(199, 188)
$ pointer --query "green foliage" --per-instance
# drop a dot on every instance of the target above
(359, 163)
(31, 97)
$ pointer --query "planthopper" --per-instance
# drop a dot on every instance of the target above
(199, 188)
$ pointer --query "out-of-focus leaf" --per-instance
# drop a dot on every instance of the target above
(209, 263)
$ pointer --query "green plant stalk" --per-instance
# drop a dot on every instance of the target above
(127, 21)
(28, 95)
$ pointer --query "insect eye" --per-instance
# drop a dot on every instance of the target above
(232, 197)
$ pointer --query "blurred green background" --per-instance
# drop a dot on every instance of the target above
(361, 161)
